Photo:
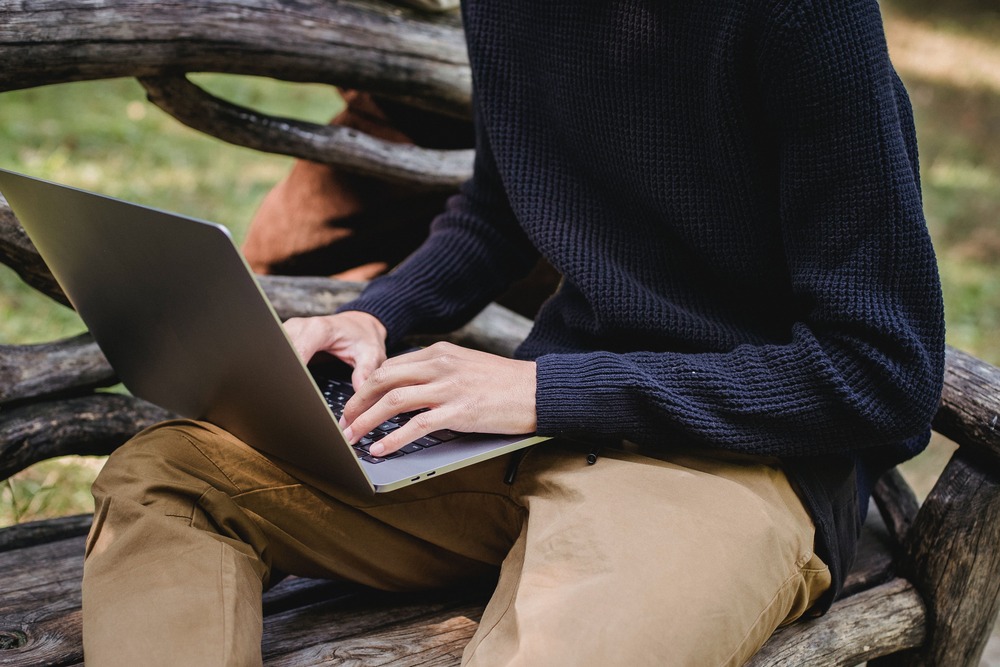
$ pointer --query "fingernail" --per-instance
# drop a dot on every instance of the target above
(377, 449)
(349, 435)
(343, 423)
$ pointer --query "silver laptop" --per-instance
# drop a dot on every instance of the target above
(178, 313)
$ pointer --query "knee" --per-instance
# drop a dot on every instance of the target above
(160, 463)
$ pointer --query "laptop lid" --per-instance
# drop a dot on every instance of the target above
(176, 310)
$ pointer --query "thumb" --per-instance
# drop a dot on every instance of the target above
(365, 364)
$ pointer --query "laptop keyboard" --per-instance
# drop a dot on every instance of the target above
(338, 392)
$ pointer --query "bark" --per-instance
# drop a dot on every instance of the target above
(374, 46)
(74, 365)
(335, 145)
(953, 558)
(970, 405)
(88, 426)
(864, 626)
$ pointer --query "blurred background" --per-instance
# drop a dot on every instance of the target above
(106, 137)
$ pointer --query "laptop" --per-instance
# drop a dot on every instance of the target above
(176, 310)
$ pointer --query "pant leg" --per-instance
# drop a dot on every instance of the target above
(636, 561)
(190, 521)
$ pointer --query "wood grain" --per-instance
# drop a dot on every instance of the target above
(336, 145)
(872, 623)
(87, 426)
(312, 622)
(38, 371)
(970, 405)
(953, 557)
(373, 46)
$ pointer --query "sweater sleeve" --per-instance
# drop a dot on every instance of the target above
(474, 251)
(862, 364)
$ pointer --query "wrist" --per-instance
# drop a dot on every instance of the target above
(366, 321)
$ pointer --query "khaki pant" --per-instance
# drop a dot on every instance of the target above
(631, 561)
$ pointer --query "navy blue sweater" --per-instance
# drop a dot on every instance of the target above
(730, 190)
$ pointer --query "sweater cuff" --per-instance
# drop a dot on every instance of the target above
(581, 394)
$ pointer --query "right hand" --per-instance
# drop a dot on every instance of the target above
(354, 337)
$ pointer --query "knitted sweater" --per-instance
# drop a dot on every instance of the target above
(730, 190)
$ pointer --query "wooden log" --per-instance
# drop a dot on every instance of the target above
(304, 296)
(73, 365)
(427, 640)
(29, 534)
(897, 503)
(88, 425)
(970, 404)
(40, 610)
(953, 557)
(335, 145)
(873, 623)
(310, 621)
(379, 47)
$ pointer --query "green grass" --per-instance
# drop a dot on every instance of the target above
(105, 136)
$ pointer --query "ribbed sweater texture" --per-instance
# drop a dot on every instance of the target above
(730, 190)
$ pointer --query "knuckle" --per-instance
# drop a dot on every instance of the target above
(395, 398)
(378, 376)
(423, 421)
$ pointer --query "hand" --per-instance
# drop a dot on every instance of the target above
(461, 389)
(354, 337)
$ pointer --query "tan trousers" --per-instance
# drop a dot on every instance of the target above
(631, 561)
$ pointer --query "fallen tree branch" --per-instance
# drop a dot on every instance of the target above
(970, 405)
(412, 56)
(335, 145)
(48, 369)
(87, 426)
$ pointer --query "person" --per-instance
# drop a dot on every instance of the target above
(749, 324)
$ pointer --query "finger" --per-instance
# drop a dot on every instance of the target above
(397, 401)
(305, 338)
(416, 428)
(365, 362)
(383, 380)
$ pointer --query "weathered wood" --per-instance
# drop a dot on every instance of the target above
(970, 404)
(897, 503)
(374, 46)
(310, 622)
(38, 371)
(335, 145)
(873, 623)
(41, 604)
(953, 557)
(32, 533)
(428, 640)
(19, 253)
(87, 425)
